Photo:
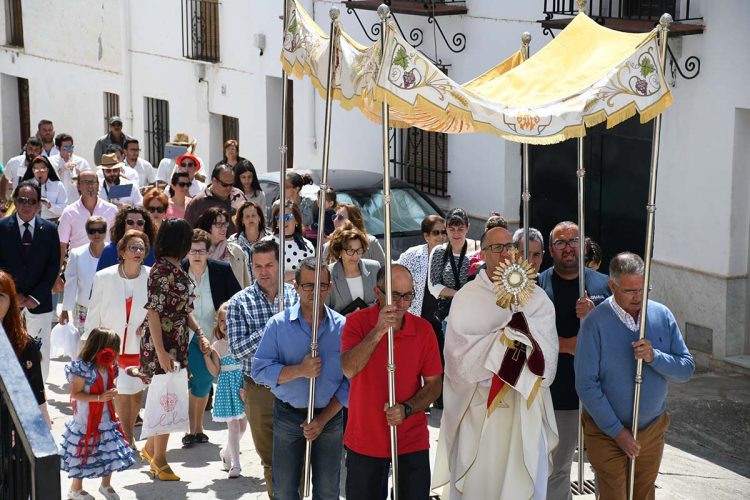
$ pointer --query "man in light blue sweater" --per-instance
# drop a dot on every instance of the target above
(605, 365)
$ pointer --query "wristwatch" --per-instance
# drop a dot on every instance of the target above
(407, 410)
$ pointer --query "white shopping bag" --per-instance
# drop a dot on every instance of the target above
(64, 341)
(166, 405)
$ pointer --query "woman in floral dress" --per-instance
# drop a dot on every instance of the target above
(166, 337)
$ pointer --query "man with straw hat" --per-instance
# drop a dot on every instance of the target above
(167, 165)
(112, 183)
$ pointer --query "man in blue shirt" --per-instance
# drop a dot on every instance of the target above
(248, 311)
(605, 365)
(283, 362)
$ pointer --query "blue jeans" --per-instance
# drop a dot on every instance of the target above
(289, 454)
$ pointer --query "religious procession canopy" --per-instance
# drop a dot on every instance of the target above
(586, 75)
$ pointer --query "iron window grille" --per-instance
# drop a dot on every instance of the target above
(111, 108)
(642, 10)
(421, 158)
(200, 30)
(13, 23)
(156, 128)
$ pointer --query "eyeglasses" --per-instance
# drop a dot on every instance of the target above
(336, 217)
(501, 247)
(396, 297)
(136, 249)
(159, 209)
(39, 168)
(309, 287)
(632, 292)
(224, 184)
(287, 217)
(197, 252)
(68, 148)
(139, 222)
(182, 184)
(22, 200)
(187, 164)
(90, 182)
(438, 232)
(96, 230)
(561, 244)
(354, 251)
(220, 225)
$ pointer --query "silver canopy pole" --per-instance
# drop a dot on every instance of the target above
(665, 22)
(282, 170)
(581, 173)
(526, 195)
(334, 15)
(384, 11)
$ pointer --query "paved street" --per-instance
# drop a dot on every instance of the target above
(706, 456)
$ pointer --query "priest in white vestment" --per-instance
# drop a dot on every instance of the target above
(498, 428)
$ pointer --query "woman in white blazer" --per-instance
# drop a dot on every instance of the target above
(118, 297)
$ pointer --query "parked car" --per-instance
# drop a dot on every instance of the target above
(365, 189)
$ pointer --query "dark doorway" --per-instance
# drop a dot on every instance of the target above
(617, 163)
(24, 113)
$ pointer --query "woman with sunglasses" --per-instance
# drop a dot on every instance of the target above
(250, 221)
(246, 180)
(156, 203)
(54, 197)
(118, 298)
(128, 217)
(293, 186)
(178, 195)
(215, 221)
(297, 247)
(353, 278)
(348, 212)
(80, 271)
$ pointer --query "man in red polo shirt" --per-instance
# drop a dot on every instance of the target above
(364, 356)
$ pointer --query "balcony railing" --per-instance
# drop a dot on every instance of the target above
(200, 30)
(29, 463)
(414, 7)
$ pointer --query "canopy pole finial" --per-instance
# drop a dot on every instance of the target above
(334, 13)
(384, 11)
(526, 38)
(665, 21)
(581, 5)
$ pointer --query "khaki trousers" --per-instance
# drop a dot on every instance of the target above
(259, 411)
(611, 464)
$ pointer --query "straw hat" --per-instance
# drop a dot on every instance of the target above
(109, 161)
(181, 139)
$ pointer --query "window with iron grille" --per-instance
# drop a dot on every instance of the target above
(13, 23)
(230, 127)
(200, 30)
(111, 108)
(421, 158)
(156, 128)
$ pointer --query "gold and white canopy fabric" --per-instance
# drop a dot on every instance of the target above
(587, 75)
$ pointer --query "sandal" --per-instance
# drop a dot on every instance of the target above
(201, 438)
(164, 473)
(109, 493)
(145, 457)
(188, 440)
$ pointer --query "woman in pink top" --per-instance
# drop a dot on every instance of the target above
(178, 195)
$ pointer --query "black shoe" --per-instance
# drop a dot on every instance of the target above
(201, 438)
(138, 421)
(188, 440)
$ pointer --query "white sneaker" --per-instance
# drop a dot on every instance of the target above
(235, 472)
(224, 459)
(109, 493)
(79, 495)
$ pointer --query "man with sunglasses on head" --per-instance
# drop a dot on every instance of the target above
(29, 252)
(220, 193)
(561, 284)
(283, 362)
(364, 359)
(68, 165)
(498, 426)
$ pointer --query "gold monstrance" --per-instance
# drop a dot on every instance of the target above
(514, 281)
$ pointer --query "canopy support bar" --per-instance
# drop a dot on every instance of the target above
(581, 173)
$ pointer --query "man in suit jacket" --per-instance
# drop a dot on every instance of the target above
(30, 252)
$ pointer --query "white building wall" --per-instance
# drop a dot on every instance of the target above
(134, 48)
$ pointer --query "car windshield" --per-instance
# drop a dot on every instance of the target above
(407, 209)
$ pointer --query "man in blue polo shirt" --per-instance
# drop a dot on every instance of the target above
(283, 363)
(605, 366)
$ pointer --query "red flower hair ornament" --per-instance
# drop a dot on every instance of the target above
(106, 357)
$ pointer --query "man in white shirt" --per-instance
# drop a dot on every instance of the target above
(146, 172)
(110, 175)
(68, 165)
(46, 133)
(16, 166)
